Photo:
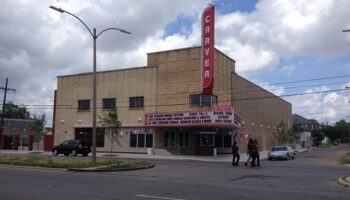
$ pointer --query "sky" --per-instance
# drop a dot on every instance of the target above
(296, 49)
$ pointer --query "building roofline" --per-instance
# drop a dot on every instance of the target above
(225, 55)
(273, 95)
(113, 70)
(140, 67)
(19, 120)
(179, 49)
(194, 47)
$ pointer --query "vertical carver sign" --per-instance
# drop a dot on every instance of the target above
(207, 59)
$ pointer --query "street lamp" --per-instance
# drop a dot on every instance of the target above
(94, 88)
(347, 30)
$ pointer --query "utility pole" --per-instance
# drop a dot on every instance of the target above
(3, 104)
(348, 116)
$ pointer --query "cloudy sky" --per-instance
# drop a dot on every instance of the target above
(295, 48)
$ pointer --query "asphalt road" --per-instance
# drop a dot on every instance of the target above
(312, 175)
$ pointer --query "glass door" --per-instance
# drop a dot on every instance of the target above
(205, 143)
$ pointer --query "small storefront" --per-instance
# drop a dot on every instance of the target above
(204, 132)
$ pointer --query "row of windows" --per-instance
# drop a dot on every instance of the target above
(109, 103)
(170, 139)
(203, 100)
(138, 102)
(221, 140)
(141, 140)
(145, 140)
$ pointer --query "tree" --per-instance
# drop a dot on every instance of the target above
(330, 132)
(317, 136)
(13, 111)
(340, 131)
(38, 127)
(112, 126)
(283, 134)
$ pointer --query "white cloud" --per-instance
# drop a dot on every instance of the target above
(288, 69)
(38, 43)
(274, 89)
(323, 107)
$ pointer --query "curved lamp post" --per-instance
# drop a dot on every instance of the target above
(94, 88)
(348, 30)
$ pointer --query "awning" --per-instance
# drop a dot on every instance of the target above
(214, 116)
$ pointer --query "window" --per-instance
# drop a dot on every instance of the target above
(223, 141)
(108, 103)
(83, 104)
(166, 138)
(218, 140)
(136, 102)
(169, 139)
(227, 141)
(133, 140)
(195, 100)
(141, 140)
(86, 134)
(207, 139)
(203, 100)
(184, 138)
(149, 140)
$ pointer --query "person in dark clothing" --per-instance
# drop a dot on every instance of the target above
(255, 154)
(235, 154)
(249, 151)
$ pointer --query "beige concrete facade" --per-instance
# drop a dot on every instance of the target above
(260, 110)
(166, 84)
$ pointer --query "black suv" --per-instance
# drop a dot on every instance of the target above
(72, 147)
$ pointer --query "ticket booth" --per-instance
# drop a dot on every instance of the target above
(205, 143)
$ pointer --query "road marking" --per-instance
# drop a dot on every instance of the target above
(155, 197)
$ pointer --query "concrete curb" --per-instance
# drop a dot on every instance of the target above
(33, 168)
(109, 170)
(344, 181)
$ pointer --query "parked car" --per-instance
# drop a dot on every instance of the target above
(281, 152)
(72, 147)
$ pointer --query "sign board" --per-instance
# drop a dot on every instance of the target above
(211, 117)
(207, 58)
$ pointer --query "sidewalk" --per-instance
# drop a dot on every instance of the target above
(218, 158)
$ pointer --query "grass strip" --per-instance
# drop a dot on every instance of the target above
(345, 159)
(65, 162)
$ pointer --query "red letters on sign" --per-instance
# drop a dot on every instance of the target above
(207, 66)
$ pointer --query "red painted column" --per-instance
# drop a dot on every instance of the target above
(2, 142)
(30, 143)
(48, 142)
(16, 142)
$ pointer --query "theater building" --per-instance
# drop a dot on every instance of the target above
(164, 106)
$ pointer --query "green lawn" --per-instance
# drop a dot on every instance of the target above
(67, 162)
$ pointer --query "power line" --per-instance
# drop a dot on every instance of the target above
(222, 101)
(298, 81)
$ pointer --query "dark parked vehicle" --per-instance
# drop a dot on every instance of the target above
(72, 147)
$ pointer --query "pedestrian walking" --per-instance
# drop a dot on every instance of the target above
(249, 151)
(235, 154)
(255, 154)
